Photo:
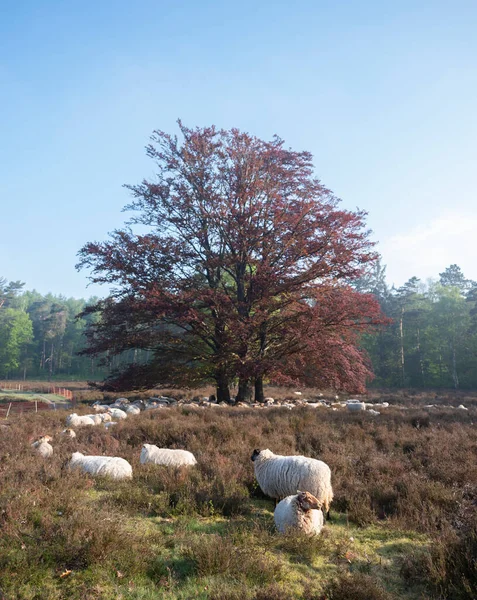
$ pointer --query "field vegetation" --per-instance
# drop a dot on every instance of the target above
(403, 520)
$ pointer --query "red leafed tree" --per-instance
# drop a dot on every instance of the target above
(244, 272)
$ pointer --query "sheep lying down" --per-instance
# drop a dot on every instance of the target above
(42, 446)
(166, 456)
(104, 466)
(301, 512)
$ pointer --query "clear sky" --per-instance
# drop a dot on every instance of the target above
(382, 93)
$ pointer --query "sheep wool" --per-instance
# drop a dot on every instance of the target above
(104, 466)
(300, 512)
(42, 447)
(75, 420)
(117, 413)
(166, 456)
(281, 476)
(68, 433)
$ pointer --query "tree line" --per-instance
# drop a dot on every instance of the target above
(239, 267)
(41, 336)
(429, 342)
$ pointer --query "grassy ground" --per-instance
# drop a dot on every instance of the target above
(403, 515)
(12, 396)
(189, 556)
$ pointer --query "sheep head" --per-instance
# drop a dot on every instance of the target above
(255, 454)
(307, 501)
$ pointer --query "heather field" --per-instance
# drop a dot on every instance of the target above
(403, 519)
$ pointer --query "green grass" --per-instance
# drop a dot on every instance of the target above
(193, 557)
(12, 396)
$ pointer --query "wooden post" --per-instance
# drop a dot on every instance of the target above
(8, 411)
(36, 406)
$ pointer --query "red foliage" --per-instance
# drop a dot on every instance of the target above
(244, 272)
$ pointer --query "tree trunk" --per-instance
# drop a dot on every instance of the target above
(223, 392)
(259, 395)
(421, 362)
(243, 393)
(454, 369)
(401, 335)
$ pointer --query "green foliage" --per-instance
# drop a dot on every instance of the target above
(15, 333)
(432, 341)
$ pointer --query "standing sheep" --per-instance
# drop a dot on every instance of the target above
(280, 476)
(167, 457)
(301, 512)
(107, 466)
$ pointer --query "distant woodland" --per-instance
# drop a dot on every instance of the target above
(431, 341)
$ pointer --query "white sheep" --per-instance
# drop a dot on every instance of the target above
(42, 447)
(100, 408)
(281, 476)
(110, 424)
(104, 417)
(97, 419)
(299, 512)
(132, 410)
(117, 413)
(75, 420)
(355, 405)
(107, 466)
(68, 433)
(121, 402)
(167, 457)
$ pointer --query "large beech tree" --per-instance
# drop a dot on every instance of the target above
(243, 272)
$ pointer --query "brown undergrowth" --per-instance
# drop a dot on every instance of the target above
(413, 470)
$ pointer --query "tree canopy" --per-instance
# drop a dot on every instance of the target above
(242, 270)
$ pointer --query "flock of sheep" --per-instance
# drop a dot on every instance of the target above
(302, 485)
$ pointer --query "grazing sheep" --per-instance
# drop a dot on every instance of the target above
(117, 413)
(299, 512)
(107, 466)
(110, 424)
(42, 447)
(280, 476)
(132, 410)
(100, 408)
(75, 420)
(167, 457)
(68, 433)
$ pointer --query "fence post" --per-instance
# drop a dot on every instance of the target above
(8, 411)
(36, 406)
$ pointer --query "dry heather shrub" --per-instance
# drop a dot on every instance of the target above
(274, 592)
(214, 555)
(356, 586)
(300, 547)
(450, 566)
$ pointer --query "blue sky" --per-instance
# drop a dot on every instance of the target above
(382, 93)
